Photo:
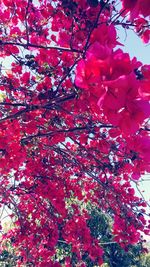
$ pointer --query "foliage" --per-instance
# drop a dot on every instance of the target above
(74, 126)
(100, 227)
(145, 261)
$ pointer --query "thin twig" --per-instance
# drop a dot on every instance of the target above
(39, 46)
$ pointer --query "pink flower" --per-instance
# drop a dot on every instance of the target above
(87, 73)
(122, 105)
(137, 7)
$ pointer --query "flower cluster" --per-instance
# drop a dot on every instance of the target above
(73, 128)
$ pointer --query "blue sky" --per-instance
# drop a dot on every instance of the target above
(134, 45)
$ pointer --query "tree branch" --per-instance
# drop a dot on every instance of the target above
(39, 46)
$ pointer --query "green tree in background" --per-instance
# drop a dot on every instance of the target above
(100, 228)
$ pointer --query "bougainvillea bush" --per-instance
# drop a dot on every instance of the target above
(74, 126)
